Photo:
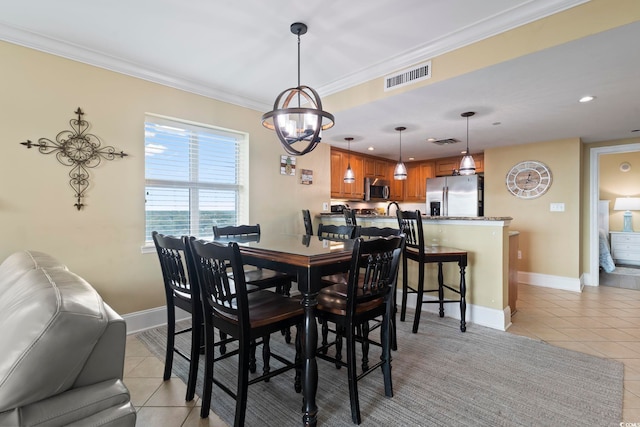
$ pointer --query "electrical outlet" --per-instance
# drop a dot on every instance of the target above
(325, 206)
(519, 254)
(556, 207)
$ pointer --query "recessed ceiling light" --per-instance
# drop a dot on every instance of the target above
(430, 139)
(412, 158)
(370, 148)
(587, 98)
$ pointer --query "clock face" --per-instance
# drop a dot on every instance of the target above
(529, 179)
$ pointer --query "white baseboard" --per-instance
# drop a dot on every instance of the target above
(549, 281)
(479, 315)
(147, 319)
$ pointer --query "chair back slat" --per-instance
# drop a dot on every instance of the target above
(236, 230)
(410, 223)
(223, 292)
(350, 217)
(371, 232)
(374, 270)
(171, 251)
(308, 225)
(337, 232)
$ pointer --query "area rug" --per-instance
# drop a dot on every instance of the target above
(441, 377)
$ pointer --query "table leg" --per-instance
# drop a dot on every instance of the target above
(309, 363)
(463, 298)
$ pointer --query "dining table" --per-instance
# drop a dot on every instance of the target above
(308, 258)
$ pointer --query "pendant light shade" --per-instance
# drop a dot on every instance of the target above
(349, 176)
(298, 128)
(467, 164)
(400, 172)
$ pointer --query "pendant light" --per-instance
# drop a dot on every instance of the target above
(293, 123)
(467, 164)
(400, 172)
(349, 176)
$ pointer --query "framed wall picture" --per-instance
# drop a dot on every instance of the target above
(287, 165)
(306, 176)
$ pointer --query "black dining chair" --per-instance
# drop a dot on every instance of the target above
(249, 317)
(350, 217)
(410, 222)
(179, 292)
(367, 233)
(308, 225)
(262, 278)
(367, 295)
(336, 232)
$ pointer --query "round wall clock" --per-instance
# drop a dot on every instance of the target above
(529, 179)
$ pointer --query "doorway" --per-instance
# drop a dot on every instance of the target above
(594, 196)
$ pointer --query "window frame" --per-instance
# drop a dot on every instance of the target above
(241, 171)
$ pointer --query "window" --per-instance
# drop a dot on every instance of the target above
(193, 177)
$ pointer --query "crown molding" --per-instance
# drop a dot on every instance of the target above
(504, 21)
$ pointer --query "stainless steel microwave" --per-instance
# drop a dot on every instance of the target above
(376, 189)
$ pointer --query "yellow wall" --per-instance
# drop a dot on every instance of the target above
(103, 242)
(615, 183)
(549, 241)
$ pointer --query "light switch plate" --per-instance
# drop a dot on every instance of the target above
(556, 207)
(325, 206)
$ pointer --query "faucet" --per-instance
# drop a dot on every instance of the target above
(389, 206)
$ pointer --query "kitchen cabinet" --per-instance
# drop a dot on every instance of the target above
(416, 184)
(339, 162)
(396, 187)
(446, 165)
(376, 168)
(625, 247)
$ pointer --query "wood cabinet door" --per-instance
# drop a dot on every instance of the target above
(337, 174)
(354, 190)
(446, 166)
(411, 189)
(396, 187)
(427, 170)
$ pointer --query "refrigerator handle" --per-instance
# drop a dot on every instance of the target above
(445, 201)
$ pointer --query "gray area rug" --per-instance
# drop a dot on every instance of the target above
(441, 377)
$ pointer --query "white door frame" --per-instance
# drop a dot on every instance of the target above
(594, 194)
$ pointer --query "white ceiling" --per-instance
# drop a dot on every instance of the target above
(243, 52)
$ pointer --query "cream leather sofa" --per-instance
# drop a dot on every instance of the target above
(61, 348)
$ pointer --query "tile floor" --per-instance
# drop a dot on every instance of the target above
(602, 321)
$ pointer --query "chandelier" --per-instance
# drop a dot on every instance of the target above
(297, 115)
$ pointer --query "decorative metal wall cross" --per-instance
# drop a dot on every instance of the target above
(79, 150)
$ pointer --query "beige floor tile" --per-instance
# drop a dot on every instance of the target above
(630, 373)
(150, 416)
(135, 347)
(171, 393)
(631, 400)
(150, 367)
(612, 334)
(194, 420)
(582, 334)
(631, 416)
(612, 350)
(633, 387)
(141, 389)
(575, 346)
(130, 362)
(548, 334)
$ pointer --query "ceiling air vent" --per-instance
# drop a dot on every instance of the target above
(446, 141)
(409, 76)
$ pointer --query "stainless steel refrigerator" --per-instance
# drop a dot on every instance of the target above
(455, 196)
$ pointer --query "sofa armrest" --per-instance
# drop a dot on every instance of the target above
(107, 401)
(106, 361)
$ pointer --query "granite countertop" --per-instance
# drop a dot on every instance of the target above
(425, 217)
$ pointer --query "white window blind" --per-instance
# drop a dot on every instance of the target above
(193, 176)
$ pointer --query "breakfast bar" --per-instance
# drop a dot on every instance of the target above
(486, 241)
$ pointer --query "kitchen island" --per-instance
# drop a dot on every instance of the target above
(486, 239)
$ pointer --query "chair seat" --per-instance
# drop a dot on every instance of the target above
(266, 307)
(334, 300)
